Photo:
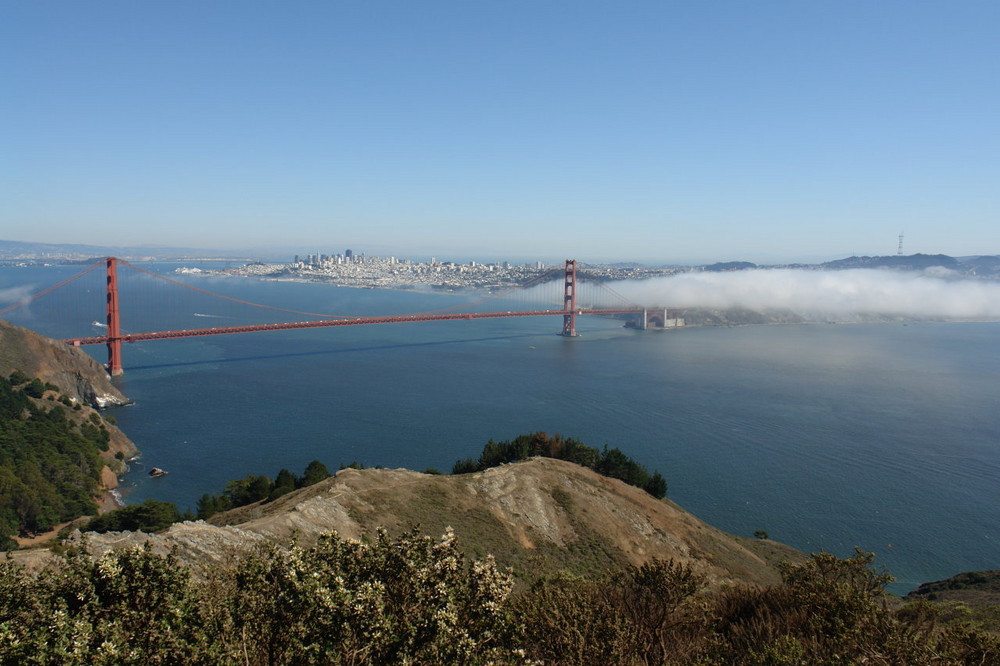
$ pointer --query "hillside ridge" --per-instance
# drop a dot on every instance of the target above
(537, 516)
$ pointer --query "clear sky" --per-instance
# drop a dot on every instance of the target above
(695, 130)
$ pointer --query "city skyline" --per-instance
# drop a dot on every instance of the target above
(651, 132)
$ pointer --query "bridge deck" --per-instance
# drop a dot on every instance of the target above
(351, 321)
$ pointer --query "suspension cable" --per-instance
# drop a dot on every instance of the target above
(230, 298)
(604, 285)
(29, 299)
(540, 279)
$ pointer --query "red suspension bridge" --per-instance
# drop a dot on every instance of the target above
(114, 336)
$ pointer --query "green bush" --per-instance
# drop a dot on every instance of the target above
(17, 378)
(407, 600)
(150, 516)
(416, 600)
(624, 618)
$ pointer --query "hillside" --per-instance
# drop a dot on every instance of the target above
(537, 516)
(59, 456)
(77, 375)
(971, 587)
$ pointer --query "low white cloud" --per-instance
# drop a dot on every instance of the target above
(932, 293)
(12, 295)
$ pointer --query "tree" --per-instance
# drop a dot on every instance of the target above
(209, 505)
(17, 378)
(35, 388)
(656, 486)
(284, 483)
(466, 466)
(609, 462)
(150, 516)
(251, 488)
(314, 473)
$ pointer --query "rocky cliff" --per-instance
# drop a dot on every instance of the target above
(77, 375)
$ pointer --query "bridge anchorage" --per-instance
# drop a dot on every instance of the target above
(571, 309)
(657, 318)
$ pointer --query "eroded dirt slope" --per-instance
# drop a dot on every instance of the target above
(537, 516)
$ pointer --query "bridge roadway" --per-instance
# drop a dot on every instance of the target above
(351, 321)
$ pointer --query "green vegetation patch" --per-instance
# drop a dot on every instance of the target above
(253, 488)
(982, 581)
(416, 600)
(609, 462)
(150, 516)
(49, 467)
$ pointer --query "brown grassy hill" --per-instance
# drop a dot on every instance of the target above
(538, 516)
(77, 375)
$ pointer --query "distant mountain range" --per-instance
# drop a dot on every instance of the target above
(975, 266)
(17, 250)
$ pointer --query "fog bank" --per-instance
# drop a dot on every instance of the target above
(933, 293)
(15, 295)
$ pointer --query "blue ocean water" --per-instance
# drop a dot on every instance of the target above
(885, 437)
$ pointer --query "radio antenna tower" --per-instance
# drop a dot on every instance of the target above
(899, 248)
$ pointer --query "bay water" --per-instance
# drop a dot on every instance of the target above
(880, 436)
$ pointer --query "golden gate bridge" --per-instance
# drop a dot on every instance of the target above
(113, 336)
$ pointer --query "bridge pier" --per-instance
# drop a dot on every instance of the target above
(569, 300)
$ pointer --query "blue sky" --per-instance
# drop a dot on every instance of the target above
(657, 131)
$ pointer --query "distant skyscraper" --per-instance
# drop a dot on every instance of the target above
(349, 254)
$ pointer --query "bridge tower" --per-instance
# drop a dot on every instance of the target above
(114, 321)
(569, 300)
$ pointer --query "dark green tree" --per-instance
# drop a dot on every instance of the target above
(609, 462)
(251, 488)
(284, 483)
(314, 473)
(209, 505)
(150, 516)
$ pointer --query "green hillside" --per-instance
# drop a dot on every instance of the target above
(50, 465)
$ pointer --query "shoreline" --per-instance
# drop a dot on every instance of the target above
(403, 287)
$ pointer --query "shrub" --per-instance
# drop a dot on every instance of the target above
(628, 617)
(150, 516)
(17, 378)
(406, 600)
